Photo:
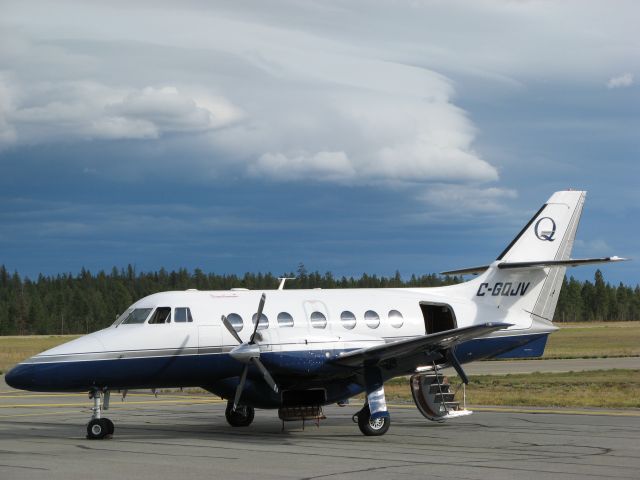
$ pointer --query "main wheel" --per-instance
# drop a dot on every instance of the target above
(242, 416)
(372, 427)
(98, 428)
(110, 426)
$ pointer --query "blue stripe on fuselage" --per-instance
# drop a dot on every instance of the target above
(203, 369)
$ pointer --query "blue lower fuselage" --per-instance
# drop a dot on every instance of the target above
(218, 372)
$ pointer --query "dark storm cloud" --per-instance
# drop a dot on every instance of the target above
(412, 116)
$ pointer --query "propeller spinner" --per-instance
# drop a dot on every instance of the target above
(249, 353)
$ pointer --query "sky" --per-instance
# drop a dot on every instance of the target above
(353, 137)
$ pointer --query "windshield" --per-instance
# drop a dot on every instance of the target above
(139, 315)
(121, 317)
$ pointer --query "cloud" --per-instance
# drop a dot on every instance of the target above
(7, 131)
(172, 111)
(468, 200)
(327, 166)
(622, 81)
(266, 100)
(293, 91)
(84, 110)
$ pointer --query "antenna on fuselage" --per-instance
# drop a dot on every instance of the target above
(283, 280)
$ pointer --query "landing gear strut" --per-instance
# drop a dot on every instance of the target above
(99, 427)
(242, 416)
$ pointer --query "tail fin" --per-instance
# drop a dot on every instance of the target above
(525, 280)
(523, 284)
(549, 235)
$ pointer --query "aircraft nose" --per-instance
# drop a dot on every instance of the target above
(17, 377)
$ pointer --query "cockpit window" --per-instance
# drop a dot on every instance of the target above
(139, 315)
(161, 315)
(182, 314)
(120, 318)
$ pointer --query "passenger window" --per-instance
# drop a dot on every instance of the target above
(139, 315)
(395, 318)
(372, 319)
(285, 319)
(318, 320)
(236, 321)
(348, 319)
(263, 323)
(161, 315)
(182, 314)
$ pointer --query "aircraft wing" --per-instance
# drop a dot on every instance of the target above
(425, 344)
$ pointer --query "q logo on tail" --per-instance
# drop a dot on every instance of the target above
(545, 229)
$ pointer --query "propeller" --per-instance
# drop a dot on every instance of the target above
(249, 353)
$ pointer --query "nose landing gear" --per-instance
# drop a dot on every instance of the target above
(240, 416)
(99, 427)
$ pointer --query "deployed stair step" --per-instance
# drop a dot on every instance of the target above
(444, 396)
(452, 405)
(435, 397)
(435, 388)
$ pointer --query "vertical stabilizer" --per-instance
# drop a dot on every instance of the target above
(549, 235)
(523, 279)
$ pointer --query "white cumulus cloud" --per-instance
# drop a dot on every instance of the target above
(81, 110)
(621, 81)
(328, 166)
(295, 91)
(468, 199)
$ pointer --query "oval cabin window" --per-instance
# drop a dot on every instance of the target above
(285, 319)
(372, 319)
(236, 321)
(318, 320)
(348, 319)
(264, 321)
(395, 318)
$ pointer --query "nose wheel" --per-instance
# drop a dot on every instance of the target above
(240, 416)
(99, 427)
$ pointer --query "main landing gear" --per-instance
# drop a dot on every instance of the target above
(99, 427)
(372, 425)
(242, 416)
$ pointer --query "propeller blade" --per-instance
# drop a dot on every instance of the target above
(265, 373)
(232, 330)
(243, 378)
(258, 315)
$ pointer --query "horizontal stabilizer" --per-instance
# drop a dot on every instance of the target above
(572, 262)
(575, 262)
(467, 271)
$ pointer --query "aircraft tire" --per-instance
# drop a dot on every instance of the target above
(241, 417)
(110, 426)
(97, 429)
(372, 428)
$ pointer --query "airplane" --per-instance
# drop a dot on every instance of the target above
(300, 350)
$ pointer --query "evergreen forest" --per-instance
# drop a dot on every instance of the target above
(66, 303)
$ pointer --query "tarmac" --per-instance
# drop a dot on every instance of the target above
(185, 436)
(504, 367)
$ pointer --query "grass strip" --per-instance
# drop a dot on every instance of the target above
(616, 388)
(594, 339)
(13, 350)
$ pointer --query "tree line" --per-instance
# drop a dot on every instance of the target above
(67, 303)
